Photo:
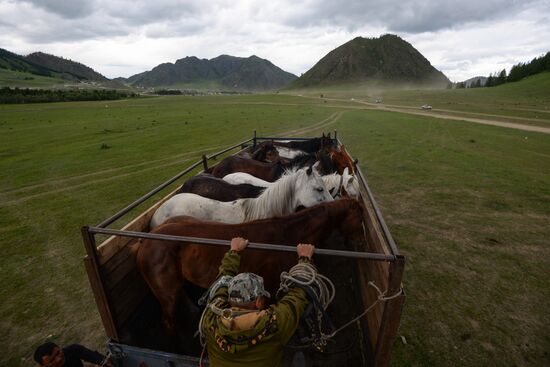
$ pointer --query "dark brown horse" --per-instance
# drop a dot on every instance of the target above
(310, 145)
(272, 171)
(165, 265)
(264, 152)
(215, 188)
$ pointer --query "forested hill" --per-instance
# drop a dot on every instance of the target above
(387, 58)
(11, 61)
(65, 66)
(223, 72)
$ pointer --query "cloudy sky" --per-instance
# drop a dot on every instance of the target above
(462, 38)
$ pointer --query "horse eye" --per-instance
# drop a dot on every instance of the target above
(320, 189)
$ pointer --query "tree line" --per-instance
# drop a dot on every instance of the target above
(17, 95)
(517, 72)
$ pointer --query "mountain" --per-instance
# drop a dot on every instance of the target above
(11, 61)
(222, 72)
(387, 58)
(70, 69)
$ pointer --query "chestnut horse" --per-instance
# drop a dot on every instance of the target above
(272, 171)
(217, 189)
(166, 265)
(341, 159)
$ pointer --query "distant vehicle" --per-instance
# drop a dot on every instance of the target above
(426, 107)
(352, 99)
(378, 101)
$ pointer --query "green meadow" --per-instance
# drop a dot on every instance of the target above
(526, 101)
(468, 204)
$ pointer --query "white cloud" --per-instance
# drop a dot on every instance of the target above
(124, 37)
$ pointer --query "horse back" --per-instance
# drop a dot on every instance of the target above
(218, 189)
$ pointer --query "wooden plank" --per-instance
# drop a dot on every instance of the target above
(118, 268)
(392, 315)
(379, 243)
(100, 298)
(126, 295)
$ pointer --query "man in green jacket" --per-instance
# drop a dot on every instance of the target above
(239, 327)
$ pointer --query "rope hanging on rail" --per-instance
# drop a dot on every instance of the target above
(321, 291)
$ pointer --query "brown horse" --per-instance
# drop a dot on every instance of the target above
(310, 145)
(264, 152)
(166, 265)
(272, 171)
(341, 159)
(266, 171)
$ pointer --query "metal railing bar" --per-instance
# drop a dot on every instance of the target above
(131, 206)
(252, 245)
(280, 138)
(214, 155)
(137, 202)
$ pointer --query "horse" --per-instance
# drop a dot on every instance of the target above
(336, 184)
(287, 153)
(166, 265)
(296, 188)
(341, 159)
(310, 145)
(217, 189)
(271, 171)
(264, 152)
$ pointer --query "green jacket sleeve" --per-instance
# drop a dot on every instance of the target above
(289, 310)
(229, 266)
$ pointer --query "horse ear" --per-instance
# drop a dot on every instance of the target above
(343, 148)
(356, 161)
(309, 170)
(328, 136)
(323, 135)
(346, 172)
(316, 165)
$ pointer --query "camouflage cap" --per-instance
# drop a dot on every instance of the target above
(245, 288)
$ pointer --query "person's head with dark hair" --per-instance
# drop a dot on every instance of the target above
(49, 355)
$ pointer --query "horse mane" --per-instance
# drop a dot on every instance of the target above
(276, 199)
(301, 160)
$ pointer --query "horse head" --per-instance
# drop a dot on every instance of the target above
(350, 184)
(310, 188)
(271, 152)
(341, 159)
(266, 151)
(327, 142)
(351, 219)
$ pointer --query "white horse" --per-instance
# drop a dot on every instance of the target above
(333, 182)
(302, 187)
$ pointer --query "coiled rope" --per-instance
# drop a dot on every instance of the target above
(305, 274)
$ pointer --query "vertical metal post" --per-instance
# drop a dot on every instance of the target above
(204, 162)
(254, 143)
(335, 136)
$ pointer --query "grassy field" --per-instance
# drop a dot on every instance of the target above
(11, 78)
(526, 101)
(468, 204)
